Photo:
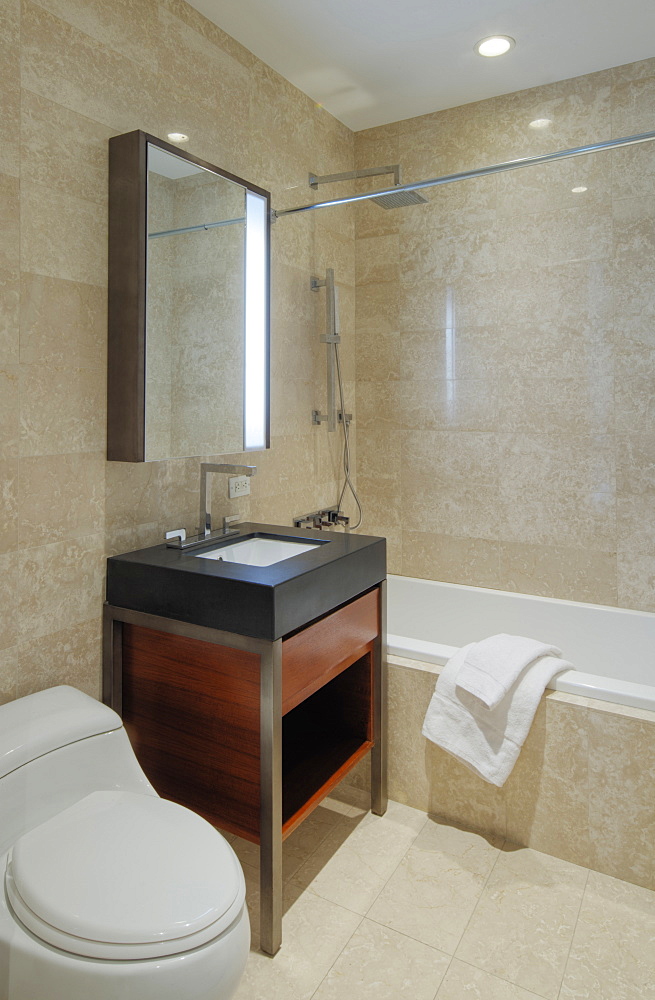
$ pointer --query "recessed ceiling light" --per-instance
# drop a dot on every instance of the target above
(177, 137)
(578, 190)
(494, 45)
(540, 123)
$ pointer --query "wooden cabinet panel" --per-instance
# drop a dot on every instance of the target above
(315, 655)
(191, 710)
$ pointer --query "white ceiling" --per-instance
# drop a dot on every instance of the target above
(369, 62)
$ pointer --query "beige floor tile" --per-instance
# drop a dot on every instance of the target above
(355, 860)
(380, 964)
(314, 933)
(523, 924)
(435, 889)
(349, 800)
(612, 956)
(301, 844)
(465, 981)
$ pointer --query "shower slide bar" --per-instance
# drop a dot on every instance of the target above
(496, 168)
(331, 337)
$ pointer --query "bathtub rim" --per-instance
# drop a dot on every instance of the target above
(575, 682)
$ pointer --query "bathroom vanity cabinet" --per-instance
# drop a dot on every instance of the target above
(252, 732)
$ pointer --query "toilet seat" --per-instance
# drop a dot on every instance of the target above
(123, 875)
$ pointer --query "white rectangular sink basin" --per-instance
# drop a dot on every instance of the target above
(257, 551)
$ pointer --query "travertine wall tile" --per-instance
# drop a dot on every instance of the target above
(60, 584)
(64, 64)
(547, 793)
(62, 322)
(60, 496)
(569, 572)
(621, 811)
(522, 310)
(10, 86)
(89, 71)
(9, 563)
(636, 584)
(76, 395)
(9, 222)
(129, 27)
(63, 236)
(9, 312)
(8, 504)
(8, 674)
(68, 656)
(429, 555)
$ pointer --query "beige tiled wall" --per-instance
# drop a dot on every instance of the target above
(504, 332)
(72, 74)
(505, 345)
(581, 789)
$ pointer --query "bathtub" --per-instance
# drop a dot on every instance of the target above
(612, 649)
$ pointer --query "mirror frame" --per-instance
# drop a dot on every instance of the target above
(127, 300)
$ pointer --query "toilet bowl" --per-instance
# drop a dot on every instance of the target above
(109, 891)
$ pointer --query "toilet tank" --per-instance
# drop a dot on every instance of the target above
(56, 747)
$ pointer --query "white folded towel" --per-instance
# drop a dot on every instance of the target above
(487, 740)
(492, 665)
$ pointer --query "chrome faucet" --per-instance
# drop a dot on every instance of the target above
(205, 528)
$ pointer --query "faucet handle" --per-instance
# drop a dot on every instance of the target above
(227, 521)
(179, 534)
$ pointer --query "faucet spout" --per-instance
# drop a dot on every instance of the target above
(205, 493)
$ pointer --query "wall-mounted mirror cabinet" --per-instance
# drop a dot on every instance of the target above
(189, 246)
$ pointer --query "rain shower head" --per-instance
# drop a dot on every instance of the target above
(401, 199)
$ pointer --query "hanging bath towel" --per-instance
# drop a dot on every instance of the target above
(487, 740)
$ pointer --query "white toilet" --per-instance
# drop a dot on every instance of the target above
(111, 893)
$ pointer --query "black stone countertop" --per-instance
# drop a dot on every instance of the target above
(265, 602)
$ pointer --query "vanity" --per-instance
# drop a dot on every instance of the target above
(250, 689)
(247, 664)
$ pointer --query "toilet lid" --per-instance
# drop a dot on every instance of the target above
(125, 875)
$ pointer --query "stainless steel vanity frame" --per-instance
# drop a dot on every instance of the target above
(270, 655)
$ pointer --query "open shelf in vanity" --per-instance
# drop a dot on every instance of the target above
(323, 738)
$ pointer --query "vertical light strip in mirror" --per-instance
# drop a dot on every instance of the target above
(256, 295)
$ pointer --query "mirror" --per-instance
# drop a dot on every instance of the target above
(188, 306)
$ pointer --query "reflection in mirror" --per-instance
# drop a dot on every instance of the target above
(195, 319)
(189, 331)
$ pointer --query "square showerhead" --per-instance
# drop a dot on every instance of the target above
(401, 199)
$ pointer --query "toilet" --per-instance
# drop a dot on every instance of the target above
(110, 892)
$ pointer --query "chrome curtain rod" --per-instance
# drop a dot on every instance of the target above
(194, 229)
(496, 168)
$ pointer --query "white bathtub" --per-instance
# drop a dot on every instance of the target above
(612, 649)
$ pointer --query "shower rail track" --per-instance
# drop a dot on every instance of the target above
(496, 168)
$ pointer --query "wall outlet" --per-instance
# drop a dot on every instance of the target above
(239, 486)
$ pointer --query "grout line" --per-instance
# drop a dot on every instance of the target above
(486, 882)
(338, 956)
(493, 975)
(575, 927)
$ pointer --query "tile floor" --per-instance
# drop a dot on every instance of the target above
(403, 907)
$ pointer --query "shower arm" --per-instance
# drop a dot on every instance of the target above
(496, 168)
(351, 175)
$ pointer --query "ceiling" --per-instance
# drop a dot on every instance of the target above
(370, 62)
